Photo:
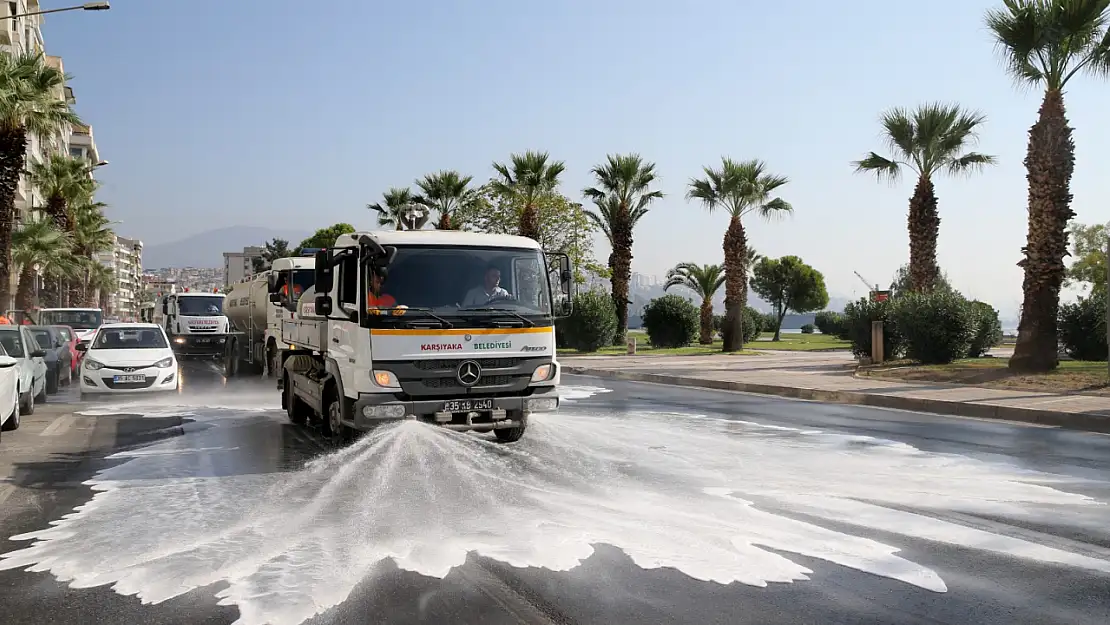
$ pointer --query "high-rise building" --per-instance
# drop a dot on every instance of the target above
(125, 259)
(239, 265)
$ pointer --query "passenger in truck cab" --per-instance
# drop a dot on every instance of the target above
(297, 291)
(488, 291)
(375, 298)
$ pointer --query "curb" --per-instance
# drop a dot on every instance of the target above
(1068, 420)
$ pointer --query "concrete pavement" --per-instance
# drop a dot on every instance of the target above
(830, 377)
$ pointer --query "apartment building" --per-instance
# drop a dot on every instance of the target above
(239, 265)
(126, 260)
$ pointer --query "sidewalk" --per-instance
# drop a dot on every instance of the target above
(830, 377)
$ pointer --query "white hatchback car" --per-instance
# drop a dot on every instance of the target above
(128, 358)
(20, 343)
(9, 391)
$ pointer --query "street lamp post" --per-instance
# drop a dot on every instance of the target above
(88, 6)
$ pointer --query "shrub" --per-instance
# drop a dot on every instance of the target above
(988, 329)
(591, 324)
(937, 326)
(753, 324)
(856, 327)
(1082, 328)
(829, 322)
(767, 324)
(808, 328)
(671, 321)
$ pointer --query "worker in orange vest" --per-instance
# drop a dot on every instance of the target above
(5, 321)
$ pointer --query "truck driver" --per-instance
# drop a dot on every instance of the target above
(375, 298)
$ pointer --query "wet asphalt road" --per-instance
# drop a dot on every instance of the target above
(48, 459)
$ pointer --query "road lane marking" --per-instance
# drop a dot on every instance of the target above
(5, 492)
(60, 426)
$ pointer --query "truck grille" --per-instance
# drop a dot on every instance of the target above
(437, 377)
(485, 380)
(453, 364)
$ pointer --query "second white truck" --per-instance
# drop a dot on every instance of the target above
(195, 323)
(451, 328)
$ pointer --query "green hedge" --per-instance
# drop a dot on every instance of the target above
(857, 320)
(591, 325)
(829, 322)
(1082, 328)
(988, 329)
(753, 324)
(937, 327)
(808, 328)
(671, 321)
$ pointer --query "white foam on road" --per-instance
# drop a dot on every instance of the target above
(669, 490)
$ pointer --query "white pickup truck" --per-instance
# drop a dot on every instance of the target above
(451, 328)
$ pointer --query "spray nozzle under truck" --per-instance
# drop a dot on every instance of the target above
(406, 324)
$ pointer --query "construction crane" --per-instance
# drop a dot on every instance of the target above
(875, 292)
(866, 283)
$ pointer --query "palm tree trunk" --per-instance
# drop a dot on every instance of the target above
(1049, 162)
(51, 293)
(706, 321)
(13, 148)
(25, 292)
(620, 266)
(924, 227)
(736, 285)
(530, 222)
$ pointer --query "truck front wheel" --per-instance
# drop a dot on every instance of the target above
(512, 435)
(333, 425)
(294, 407)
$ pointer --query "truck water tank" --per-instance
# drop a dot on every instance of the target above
(247, 305)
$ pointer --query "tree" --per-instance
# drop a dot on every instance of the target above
(704, 281)
(401, 209)
(36, 242)
(324, 237)
(751, 259)
(563, 225)
(63, 180)
(929, 140)
(1046, 44)
(787, 283)
(622, 194)
(271, 251)
(102, 283)
(529, 178)
(1089, 252)
(740, 188)
(30, 106)
(900, 284)
(445, 192)
(92, 234)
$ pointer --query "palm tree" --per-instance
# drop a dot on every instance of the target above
(36, 242)
(444, 192)
(102, 283)
(91, 236)
(740, 188)
(1046, 44)
(62, 180)
(751, 259)
(705, 280)
(401, 209)
(622, 194)
(929, 140)
(30, 106)
(529, 178)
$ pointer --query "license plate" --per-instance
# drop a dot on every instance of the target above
(205, 340)
(465, 405)
(128, 378)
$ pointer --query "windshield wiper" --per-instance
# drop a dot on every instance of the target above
(428, 312)
(531, 324)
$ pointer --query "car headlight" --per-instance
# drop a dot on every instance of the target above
(543, 373)
(165, 363)
(92, 364)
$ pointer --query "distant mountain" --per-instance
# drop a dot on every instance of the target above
(207, 248)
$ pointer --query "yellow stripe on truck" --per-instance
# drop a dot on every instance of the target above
(452, 332)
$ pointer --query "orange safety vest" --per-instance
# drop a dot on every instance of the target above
(4, 320)
(380, 301)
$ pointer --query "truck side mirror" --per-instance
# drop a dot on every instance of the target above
(166, 307)
(323, 305)
(325, 272)
(271, 282)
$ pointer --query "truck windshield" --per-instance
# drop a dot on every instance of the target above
(463, 282)
(76, 319)
(200, 306)
(303, 279)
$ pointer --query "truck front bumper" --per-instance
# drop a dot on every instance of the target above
(198, 345)
(460, 414)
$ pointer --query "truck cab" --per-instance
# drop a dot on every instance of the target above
(451, 328)
(84, 321)
(256, 308)
(195, 323)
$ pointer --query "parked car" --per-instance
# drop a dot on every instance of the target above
(19, 343)
(70, 336)
(9, 392)
(59, 367)
(128, 358)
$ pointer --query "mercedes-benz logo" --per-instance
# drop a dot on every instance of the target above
(467, 337)
(469, 373)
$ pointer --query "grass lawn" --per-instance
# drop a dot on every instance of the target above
(798, 342)
(1072, 375)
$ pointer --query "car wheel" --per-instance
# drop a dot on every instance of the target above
(13, 419)
(52, 380)
(28, 404)
(41, 397)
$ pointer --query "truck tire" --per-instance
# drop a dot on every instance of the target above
(296, 409)
(512, 435)
(273, 360)
(231, 360)
(332, 424)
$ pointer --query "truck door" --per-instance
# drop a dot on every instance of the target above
(343, 333)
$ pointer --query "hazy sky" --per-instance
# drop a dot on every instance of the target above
(219, 112)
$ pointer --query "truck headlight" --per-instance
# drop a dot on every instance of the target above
(92, 365)
(165, 363)
(179, 340)
(543, 373)
(386, 379)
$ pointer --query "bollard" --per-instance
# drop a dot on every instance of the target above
(877, 342)
(631, 346)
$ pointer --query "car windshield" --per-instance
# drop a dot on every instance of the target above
(67, 336)
(77, 319)
(464, 282)
(13, 343)
(129, 338)
(200, 306)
